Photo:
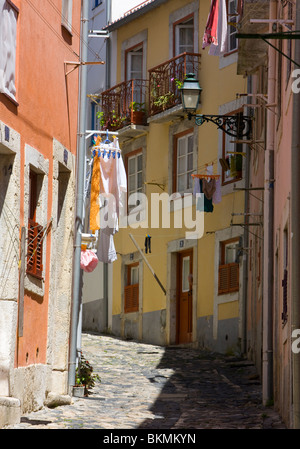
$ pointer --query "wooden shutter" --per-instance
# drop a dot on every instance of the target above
(233, 277)
(35, 249)
(228, 278)
(131, 303)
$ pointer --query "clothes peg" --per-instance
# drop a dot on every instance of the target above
(107, 139)
(147, 243)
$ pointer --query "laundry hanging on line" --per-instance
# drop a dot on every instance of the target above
(108, 195)
(210, 186)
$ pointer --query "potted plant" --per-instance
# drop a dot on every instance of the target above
(162, 101)
(111, 122)
(85, 379)
(137, 113)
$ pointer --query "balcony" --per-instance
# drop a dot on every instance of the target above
(165, 81)
(124, 108)
(130, 106)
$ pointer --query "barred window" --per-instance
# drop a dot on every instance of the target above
(35, 231)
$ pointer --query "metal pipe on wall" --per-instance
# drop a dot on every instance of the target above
(295, 236)
(267, 354)
(80, 171)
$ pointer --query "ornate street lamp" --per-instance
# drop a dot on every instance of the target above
(237, 125)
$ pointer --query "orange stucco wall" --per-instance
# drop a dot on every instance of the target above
(47, 108)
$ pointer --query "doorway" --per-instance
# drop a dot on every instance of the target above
(184, 306)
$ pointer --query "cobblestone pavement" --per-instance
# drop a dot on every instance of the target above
(145, 386)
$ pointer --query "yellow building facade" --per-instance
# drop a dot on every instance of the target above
(179, 290)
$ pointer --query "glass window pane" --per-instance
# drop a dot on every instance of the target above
(190, 161)
(131, 165)
(189, 182)
(134, 275)
(139, 162)
(181, 164)
(190, 144)
(139, 180)
(181, 183)
(185, 273)
(230, 253)
(181, 147)
(131, 182)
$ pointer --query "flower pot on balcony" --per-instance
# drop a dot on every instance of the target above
(138, 117)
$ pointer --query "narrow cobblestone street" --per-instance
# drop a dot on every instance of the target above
(149, 387)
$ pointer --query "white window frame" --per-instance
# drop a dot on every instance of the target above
(136, 188)
(184, 25)
(8, 35)
(66, 14)
(232, 17)
(187, 172)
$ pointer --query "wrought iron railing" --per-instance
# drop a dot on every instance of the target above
(166, 79)
(124, 104)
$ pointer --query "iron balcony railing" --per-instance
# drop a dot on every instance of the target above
(131, 102)
(166, 79)
(124, 104)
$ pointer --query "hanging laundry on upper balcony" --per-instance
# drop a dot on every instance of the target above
(215, 34)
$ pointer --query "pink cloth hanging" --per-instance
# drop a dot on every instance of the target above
(210, 33)
(88, 260)
(215, 35)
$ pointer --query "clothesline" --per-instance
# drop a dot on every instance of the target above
(194, 175)
(91, 132)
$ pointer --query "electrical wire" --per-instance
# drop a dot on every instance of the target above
(74, 30)
(57, 34)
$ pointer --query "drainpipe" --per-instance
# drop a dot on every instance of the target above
(295, 236)
(246, 237)
(80, 172)
(267, 362)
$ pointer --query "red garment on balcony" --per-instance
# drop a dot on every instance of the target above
(210, 33)
(215, 34)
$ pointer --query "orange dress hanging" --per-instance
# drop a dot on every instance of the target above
(95, 192)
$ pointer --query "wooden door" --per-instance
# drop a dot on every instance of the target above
(184, 296)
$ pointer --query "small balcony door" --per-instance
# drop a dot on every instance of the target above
(184, 296)
(184, 40)
(184, 37)
(134, 71)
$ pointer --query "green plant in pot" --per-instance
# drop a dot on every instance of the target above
(112, 121)
(85, 376)
(137, 112)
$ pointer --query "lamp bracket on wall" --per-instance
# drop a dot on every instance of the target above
(233, 125)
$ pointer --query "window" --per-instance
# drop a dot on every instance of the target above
(97, 3)
(183, 163)
(131, 293)
(8, 37)
(66, 15)
(229, 267)
(134, 169)
(134, 71)
(184, 41)
(232, 161)
(184, 37)
(232, 17)
(96, 108)
(284, 283)
(35, 231)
